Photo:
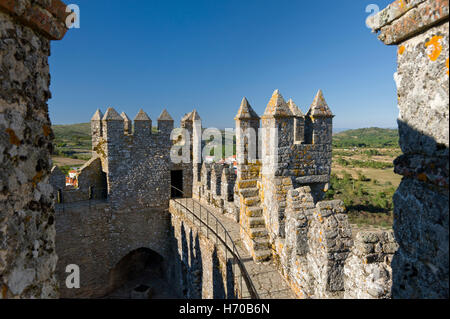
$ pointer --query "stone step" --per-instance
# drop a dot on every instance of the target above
(250, 192)
(247, 183)
(258, 232)
(262, 255)
(260, 244)
(254, 212)
(252, 201)
(255, 222)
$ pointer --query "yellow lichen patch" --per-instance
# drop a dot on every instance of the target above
(47, 130)
(446, 64)
(13, 139)
(37, 178)
(400, 4)
(401, 49)
(434, 47)
(4, 291)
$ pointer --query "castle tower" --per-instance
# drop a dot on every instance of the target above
(165, 123)
(299, 122)
(247, 127)
(142, 125)
(126, 123)
(96, 128)
(278, 130)
(319, 122)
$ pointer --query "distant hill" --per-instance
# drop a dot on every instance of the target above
(72, 140)
(75, 140)
(366, 137)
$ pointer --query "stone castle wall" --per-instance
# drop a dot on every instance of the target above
(368, 271)
(319, 257)
(137, 164)
(121, 201)
(96, 237)
(200, 267)
(27, 221)
(421, 31)
(216, 188)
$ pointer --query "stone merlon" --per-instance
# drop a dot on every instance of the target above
(319, 107)
(125, 117)
(112, 115)
(295, 109)
(246, 111)
(193, 116)
(46, 17)
(142, 116)
(403, 19)
(165, 116)
(277, 106)
(98, 115)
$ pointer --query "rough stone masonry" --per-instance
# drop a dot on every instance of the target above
(420, 29)
(124, 192)
(27, 223)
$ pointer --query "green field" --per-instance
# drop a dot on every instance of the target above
(73, 141)
(366, 137)
(363, 176)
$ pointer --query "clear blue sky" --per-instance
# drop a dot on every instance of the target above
(208, 54)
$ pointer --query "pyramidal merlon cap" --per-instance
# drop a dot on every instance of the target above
(319, 107)
(195, 116)
(246, 111)
(165, 116)
(112, 115)
(277, 106)
(97, 116)
(125, 117)
(142, 116)
(295, 109)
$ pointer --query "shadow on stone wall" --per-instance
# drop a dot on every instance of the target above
(196, 269)
(420, 266)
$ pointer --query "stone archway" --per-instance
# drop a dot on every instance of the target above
(139, 275)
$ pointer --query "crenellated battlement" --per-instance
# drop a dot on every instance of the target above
(112, 127)
(131, 152)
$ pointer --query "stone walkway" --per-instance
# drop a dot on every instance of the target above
(265, 277)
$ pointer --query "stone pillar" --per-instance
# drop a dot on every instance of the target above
(165, 123)
(247, 127)
(299, 122)
(96, 130)
(112, 150)
(320, 120)
(420, 29)
(27, 227)
(278, 138)
(193, 124)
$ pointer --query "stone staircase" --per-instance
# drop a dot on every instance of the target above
(253, 227)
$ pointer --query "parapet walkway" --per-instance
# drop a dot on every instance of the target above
(265, 277)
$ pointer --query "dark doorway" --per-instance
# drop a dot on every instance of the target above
(134, 265)
(176, 182)
(140, 275)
